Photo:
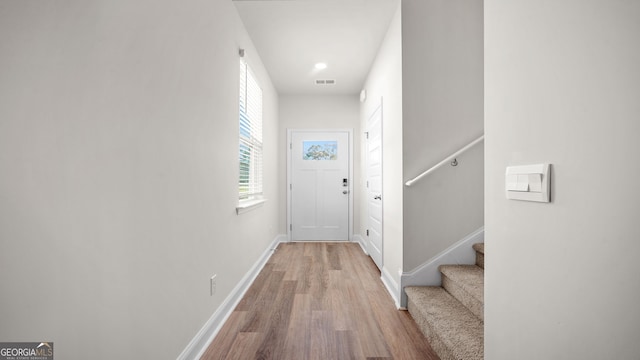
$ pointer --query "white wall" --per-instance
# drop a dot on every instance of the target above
(385, 82)
(562, 86)
(442, 89)
(318, 112)
(118, 150)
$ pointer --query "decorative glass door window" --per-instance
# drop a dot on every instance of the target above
(319, 150)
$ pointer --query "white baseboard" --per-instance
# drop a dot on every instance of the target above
(391, 285)
(360, 240)
(428, 274)
(203, 338)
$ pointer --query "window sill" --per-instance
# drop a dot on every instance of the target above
(248, 205)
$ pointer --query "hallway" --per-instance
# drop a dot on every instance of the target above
(319, 301)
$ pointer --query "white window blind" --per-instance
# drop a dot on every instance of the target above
(250, 149)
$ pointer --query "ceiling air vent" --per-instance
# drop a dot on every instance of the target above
(325, 82)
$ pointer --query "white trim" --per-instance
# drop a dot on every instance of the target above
(248, 205)
(391, 285)
(290, 169)
(203, 338)
(357, 238)
(351, 184)
(428, 274)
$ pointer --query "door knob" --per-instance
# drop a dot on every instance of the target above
(377, 197)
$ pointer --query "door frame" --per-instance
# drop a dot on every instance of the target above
(349, 132)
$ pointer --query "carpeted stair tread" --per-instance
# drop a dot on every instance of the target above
(466, 284)
(452, 330)
(479, 247)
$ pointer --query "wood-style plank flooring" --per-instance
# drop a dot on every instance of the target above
(319, 301)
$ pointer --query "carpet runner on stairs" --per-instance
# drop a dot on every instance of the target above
(452, 316)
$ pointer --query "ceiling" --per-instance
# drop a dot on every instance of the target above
(291, 36)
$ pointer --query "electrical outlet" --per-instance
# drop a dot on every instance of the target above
(212, 285)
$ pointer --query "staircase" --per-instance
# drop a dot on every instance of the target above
(452, 316)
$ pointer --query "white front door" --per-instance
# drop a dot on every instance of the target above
(374, 186)
(319, 185)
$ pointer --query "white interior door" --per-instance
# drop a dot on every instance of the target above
(374, 186)
(319, 185)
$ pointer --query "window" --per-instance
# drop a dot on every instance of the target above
(319, 150)
(250, 147)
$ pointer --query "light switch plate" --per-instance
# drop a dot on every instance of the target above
(528, 182)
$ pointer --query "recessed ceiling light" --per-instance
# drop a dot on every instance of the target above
(321, 66)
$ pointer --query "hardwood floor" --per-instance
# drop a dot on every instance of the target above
(319, 301)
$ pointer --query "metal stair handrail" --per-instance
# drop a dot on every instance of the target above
(445, 161)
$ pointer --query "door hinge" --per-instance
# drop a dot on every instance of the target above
(366, 133)
(290, 145)
(367, 232)
(367, 183)
(290, 186)
(290, 227)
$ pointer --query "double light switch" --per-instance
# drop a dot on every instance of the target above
(528, 182)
